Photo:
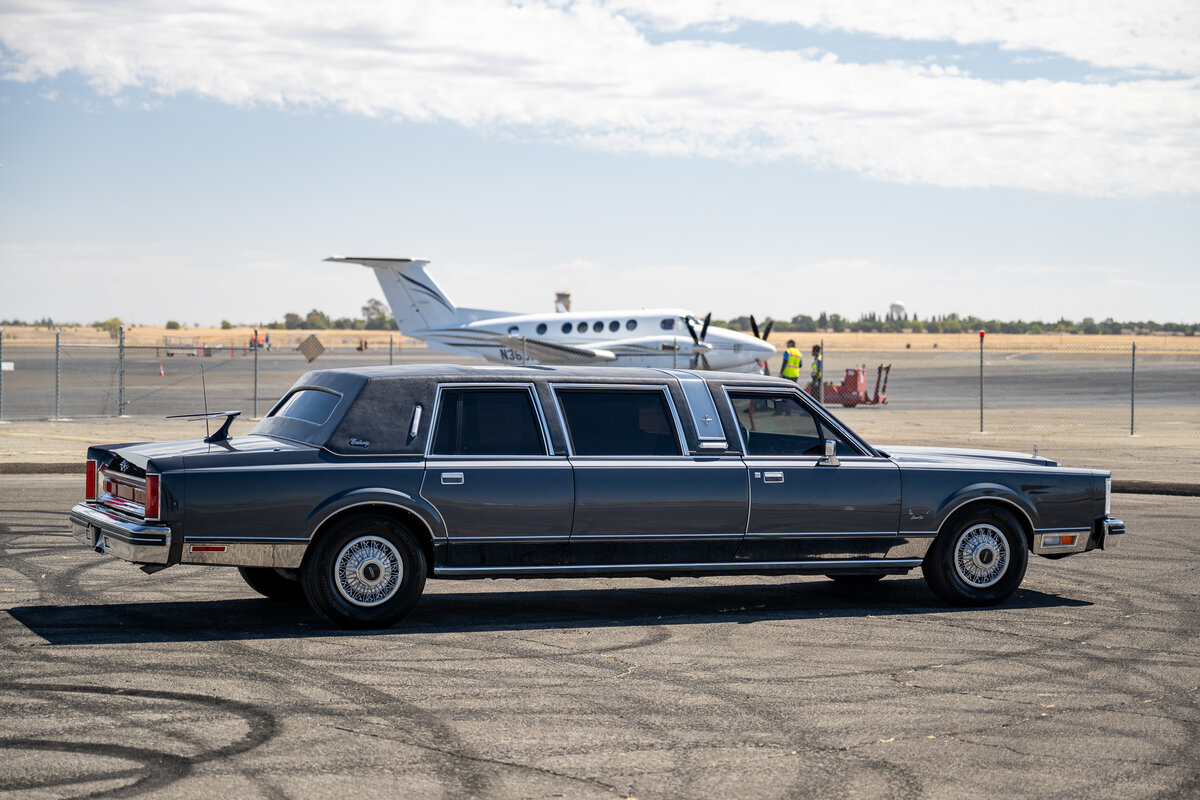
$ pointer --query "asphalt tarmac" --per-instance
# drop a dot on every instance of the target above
(186, 684)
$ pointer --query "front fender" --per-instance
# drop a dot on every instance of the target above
(984, 492)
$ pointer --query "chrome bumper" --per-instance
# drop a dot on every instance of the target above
(1105, 529)
(115, 536)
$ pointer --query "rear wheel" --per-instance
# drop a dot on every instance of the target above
(272, 583)
(978, 559)
(366, 571)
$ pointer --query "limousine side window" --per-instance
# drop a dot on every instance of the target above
(618, 423)
(487, 422)
(778, 425)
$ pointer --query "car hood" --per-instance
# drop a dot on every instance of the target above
(963, 456)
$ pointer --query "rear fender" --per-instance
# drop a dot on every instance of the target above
(435, 528)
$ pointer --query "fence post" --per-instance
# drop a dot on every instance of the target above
(57, 373)
(390, 337)
(254, 342)
(1132, 377)
(981, 333)
(1, 373)
(121, 371)
(820, 387)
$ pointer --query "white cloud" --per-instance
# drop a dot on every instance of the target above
(584, 74)
(1131, 34)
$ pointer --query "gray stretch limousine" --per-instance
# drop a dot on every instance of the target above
(360, 483)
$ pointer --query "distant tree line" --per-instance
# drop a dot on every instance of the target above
(375, 317)
(953, 323)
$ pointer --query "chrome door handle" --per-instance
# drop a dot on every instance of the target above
(452, 477)
(772, 477)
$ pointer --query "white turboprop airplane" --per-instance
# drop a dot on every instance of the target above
(659, 337)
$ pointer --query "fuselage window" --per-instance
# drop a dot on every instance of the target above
(667, 324)
(513, 329)
(487, 422)
(631, 325)
(614, 326)
(541, 329)
(619, 423)
(582, 327)
(566, 327)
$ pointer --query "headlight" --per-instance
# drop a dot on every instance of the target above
(1107, 495)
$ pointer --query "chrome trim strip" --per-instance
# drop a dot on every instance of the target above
(656, 537)
(918, 534)
(1063, 530)
(744, 566)
(412, 461)
(507, 539)
(826, 535)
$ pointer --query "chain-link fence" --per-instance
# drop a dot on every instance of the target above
(1127, 404)
(1020, 385)
(70, 380)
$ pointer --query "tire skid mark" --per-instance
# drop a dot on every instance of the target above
(161, 767)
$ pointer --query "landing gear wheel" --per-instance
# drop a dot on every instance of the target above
(366, 571)
(858, 580)
(978, 559)
(273, 584)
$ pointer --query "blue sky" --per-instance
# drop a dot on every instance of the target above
(1014, 162)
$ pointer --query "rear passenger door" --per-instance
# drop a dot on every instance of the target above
(640, 496)
(504, 499)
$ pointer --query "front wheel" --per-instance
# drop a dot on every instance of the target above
(364, 572)
(978, 559)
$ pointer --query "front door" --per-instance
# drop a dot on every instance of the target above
(504, 500)
(802, 505)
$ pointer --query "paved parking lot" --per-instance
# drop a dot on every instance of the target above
(185, 684)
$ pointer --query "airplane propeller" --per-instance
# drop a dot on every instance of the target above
(766, 331)
(698, 355)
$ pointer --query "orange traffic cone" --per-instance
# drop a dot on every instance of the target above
(160, 371)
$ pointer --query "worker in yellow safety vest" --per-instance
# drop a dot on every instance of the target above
(792, 361)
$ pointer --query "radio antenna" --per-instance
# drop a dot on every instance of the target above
(204, 392)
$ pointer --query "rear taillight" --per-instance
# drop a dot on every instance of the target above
(89, 490)
(152, 503)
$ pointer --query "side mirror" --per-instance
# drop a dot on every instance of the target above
(831, 454)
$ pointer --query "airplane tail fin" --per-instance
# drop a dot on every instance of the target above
(417, 302)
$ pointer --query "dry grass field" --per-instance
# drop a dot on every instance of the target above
(842, 342)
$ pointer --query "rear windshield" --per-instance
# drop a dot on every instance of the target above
(310, 405)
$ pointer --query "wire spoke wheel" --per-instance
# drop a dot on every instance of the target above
(365, 571)
(978, 558)
(981, 556)
(368, 571)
